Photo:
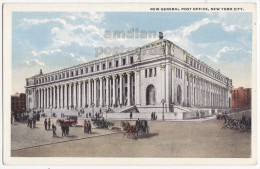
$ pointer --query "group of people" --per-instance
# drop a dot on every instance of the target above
(47, 123)
(31, 122)
(153, 116)
(87, 127)
(200, 114)
(65, 129)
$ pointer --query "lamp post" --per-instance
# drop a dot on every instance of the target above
(163, 101)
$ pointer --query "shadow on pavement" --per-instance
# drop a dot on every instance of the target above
(149, 135)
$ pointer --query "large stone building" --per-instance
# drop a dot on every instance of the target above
(141, 79)
(241, 98)
(18, 103)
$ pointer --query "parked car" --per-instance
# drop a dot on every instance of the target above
(221, 115)
(70, 120)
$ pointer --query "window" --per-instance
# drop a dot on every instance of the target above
(81, 71)
(155, 71)
(123, 62)
(110, 64)
(150, 72)
(86, 69)
(104, 66)
(116, 63)
(145, 72)
(131, 60)
(92, 68)
(181, 74)
(176, 72)
(71, 73)
(97, 67)
(48, 79)
(77, 72)
(68, 74)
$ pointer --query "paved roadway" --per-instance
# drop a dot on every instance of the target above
(166, 139)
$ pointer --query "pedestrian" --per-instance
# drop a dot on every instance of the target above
(131, 115)
(62, 129)
(152, 116)
(34, 122)
(67, 128)
(28, 122)
(49, 124)
(85, 126)
(45, 124)
(89, 115)
(53, 127)
(89, 128)
(31, 123)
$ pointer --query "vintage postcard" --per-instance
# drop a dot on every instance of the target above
(129, 84)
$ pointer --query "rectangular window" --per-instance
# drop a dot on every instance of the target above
(110, 64)
(150, 72)
(123, 62)
(81, 71)
(116, 63)
(154, 71)
(77, 72)
(97, 67)
(71, 73)
(92, 68)
(67, 74)
(86, 70)
(104, 66)
(176, 72)
(131, 60)
(145, 72)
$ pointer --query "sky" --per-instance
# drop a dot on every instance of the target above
(55, 40)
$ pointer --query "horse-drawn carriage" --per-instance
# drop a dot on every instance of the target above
(140, 129)
(242, 125)
(102, 123)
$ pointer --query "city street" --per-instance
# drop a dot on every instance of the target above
(166, 139)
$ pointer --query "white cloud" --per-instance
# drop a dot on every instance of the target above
(45, 52)
(36, 62)
(25, 22)
(82, 59)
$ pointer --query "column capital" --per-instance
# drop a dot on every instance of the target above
(114, 76)
(137, 72)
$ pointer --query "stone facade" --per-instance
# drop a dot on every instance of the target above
(140, 78)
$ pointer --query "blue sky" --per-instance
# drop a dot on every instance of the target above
(54, 40)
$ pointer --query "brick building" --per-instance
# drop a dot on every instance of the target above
(18, 102)
(241, 97)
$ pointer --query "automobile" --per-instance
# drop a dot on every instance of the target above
(221, 115)
(70, 120)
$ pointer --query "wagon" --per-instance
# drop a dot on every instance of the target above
(98, 123)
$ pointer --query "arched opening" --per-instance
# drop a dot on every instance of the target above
(150, 95)
(179, 97)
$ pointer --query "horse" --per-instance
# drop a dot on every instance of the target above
(130, 130)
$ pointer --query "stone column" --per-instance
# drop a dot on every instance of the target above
(48, 98)
(89, 93)
(58, 96)
(74, 95)
(65, 96)
(84, 94)
(79, 94)
(137, 84)
(107, 90)
(39, 99)
(54, 96)
(69, 95)
(101, 91)
(121, 88)
(128, 89)
(95, 92)
(61, 96)
(114, 89)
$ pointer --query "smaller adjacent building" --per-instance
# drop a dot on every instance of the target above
(18, 103)
(241, 97)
